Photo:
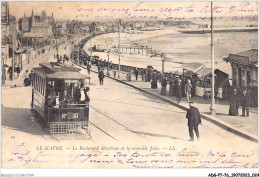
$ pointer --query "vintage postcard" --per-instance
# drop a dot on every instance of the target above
(152, 84)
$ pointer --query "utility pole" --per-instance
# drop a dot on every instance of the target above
(212, 107)
(13, 59)
(163, 60)
(119, 49)
(79, 47)
(90, 44)
(108, 62)
(56, 42)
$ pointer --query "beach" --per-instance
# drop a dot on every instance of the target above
(177, 47)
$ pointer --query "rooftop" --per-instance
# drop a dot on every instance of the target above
(249, 57)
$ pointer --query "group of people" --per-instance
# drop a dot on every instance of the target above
(10, 71)
(176, 87)
(28, 79)
(61, 58)
(239, 98)
(68, 94)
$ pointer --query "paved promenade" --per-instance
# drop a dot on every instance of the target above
(243, 126)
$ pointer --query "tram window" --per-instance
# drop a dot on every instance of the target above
(44, 85)
(40, 85)
(36, 82)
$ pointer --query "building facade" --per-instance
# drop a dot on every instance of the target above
(36, 30)
(244, 68)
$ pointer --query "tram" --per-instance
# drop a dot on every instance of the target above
(60, 97)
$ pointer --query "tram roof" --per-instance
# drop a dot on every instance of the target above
(57, 67)
(66, 73)
(67, 76)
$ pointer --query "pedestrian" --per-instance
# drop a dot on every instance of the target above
(142, 74)
(171, 91)
(88, 68)
(149, 75)
(154, 80)
(187, 89)
(136, 73)
(245, 102)
(101, 76)
(31, 77)
(10, 72)
(3, 76)
(164, 85)
(18, 70)
(27, 81)
(234, 103)
(193, 116)
(178, 90)
(114, 73)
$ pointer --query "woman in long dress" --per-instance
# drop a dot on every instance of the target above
(234, 103)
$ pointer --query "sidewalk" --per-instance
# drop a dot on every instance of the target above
(246, 127)
(18, 81)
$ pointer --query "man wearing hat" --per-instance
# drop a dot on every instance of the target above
(193, 116)
(101, 76)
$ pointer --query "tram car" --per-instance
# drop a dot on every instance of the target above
(60, 97)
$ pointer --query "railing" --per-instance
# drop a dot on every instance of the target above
(70, 130)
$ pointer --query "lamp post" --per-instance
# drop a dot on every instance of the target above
(119, 23)
(57, 49)
(212, 107)
(163, 60)
(79, 45)
(108, 52)
(13, 58)
(183, 73)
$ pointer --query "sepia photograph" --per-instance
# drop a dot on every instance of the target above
(135, 84)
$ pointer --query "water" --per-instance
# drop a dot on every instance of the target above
(179, 47)
(197, 48)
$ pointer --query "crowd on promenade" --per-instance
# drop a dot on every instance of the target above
(178, 85)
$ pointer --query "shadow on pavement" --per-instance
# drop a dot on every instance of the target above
(157, 135)
(21, 119)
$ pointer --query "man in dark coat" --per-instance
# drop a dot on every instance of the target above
(193, 116)
(136, 73)
(154, 80)
(234, 103)
(101, 76)
(245, 103)
(18, 70)
(164, 85)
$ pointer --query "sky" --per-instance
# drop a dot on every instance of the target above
(134, 10)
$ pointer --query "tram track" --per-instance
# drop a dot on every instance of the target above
(126, 128)
(103, 131)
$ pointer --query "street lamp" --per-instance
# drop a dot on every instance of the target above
(163, 60)
(57, 49)
(119, 23)
(108, 52)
